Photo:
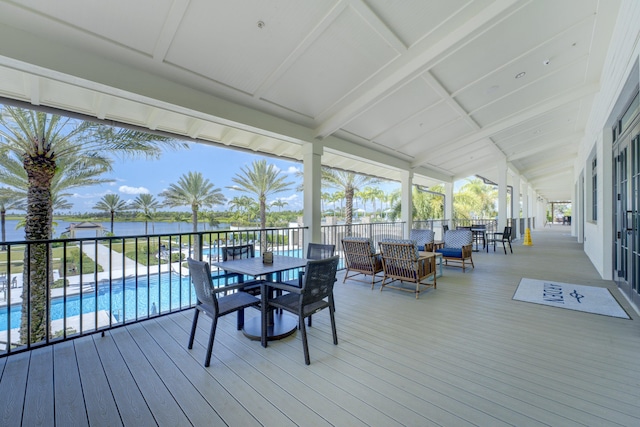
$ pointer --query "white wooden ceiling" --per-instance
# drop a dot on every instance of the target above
(384, 85)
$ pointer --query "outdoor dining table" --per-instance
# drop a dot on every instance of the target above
(279, 325)
(479, 233)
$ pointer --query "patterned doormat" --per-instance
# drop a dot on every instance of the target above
(589, 299)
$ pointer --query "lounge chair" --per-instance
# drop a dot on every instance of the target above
(402, 262)
(458, 247)
(424, 239)
(361, 258)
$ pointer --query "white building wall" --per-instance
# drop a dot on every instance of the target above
(623, 53)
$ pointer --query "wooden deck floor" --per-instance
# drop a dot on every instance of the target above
(463, 354)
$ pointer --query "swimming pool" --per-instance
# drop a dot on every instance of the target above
(125, 300)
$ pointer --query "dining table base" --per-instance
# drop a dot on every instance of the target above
(282, 326)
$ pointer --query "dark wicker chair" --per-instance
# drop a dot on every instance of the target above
(360, 258)
(211, 304)
(251, 287)
(402, 262)
(315, 251)
(315, 295)
(504, 238)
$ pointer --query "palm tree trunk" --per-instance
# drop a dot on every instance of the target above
(348, 194)
(37, 272)
(3, 217)
(263, 224)
(196, 240)
(113, 214)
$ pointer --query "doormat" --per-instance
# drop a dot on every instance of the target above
(589, 299)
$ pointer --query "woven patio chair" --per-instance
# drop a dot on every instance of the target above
(211, 304)
(251, 287)
(458, 247)
(315, 295)
(424, 239)
(402, 262)
(361, 258)
(315, 251)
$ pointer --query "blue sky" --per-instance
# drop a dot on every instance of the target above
(219, 165)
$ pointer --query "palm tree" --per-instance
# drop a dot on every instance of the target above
(279, 203)
(147, 204)
(112, 204)
(242, 205)
(41, 142)
(475, 199)
(179, 217)
(348, 182)
(261, 180)
(9, 199)
(193, 190)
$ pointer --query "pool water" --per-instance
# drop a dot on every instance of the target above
(126, 301)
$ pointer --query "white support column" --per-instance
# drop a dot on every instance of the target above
(515, 215)
(525, 204)
(407, 201)
(502, 194)
(448, 203)
(312, 189)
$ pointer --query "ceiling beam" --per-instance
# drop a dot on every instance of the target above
(410, 65)
(550, 145)
(169, 29)
(301, 48)
(514, 120)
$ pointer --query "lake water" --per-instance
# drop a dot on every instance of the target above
(132, 228)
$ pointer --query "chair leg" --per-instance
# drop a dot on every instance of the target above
(305, 345)
(193, 328)
(510, 248)
(212, 336)
(333, 324)
(504, 247)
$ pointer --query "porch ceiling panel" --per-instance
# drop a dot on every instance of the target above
(229, 47)
(409, 101)
(424, 84)
(345, 54)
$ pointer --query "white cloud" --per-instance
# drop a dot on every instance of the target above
(290, 198)
(293, 170)
(133, 190)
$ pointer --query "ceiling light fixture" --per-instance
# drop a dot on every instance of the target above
(260, 24)
(520, 75)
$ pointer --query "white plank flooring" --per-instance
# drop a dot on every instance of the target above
(463, 354)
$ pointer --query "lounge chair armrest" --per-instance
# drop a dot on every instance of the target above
(467, 250)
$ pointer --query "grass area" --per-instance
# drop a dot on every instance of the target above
(73, 261)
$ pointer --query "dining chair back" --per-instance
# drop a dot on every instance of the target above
(238, 252)
(211, 304)
(320, 251)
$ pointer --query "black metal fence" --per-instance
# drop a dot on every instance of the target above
(75, 287)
